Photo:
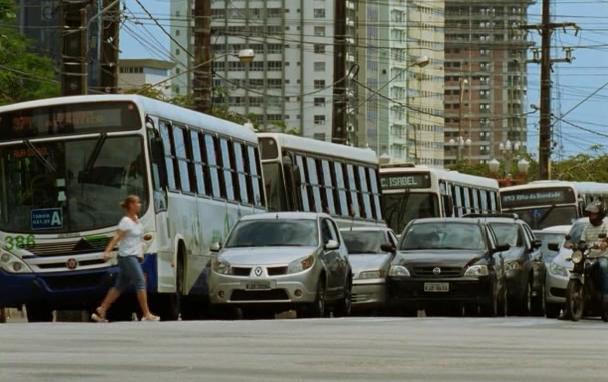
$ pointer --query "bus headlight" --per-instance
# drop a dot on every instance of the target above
(13, 264)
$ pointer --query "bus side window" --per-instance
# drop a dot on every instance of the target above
(256, 179)
(328, 184)
(340, 186)
(240, 172)
(364, 191)
(159, 172)
(373, 181)
(448, 206)
(165, 133)
(197, 160)
(355, 210)
(302, 183)
(313, 184)
(213, 168)
(493, 204)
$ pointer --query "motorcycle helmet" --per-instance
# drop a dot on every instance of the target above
(596, 213)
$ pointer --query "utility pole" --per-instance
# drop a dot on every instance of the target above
(202, 83)
(338, 127)
(546, 29)
(109, 46)
(75, 48)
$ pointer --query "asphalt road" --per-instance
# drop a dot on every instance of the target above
(352, 349)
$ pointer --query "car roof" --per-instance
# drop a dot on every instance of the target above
(503, 220)
(449, 220)
(285, 216)
(366, 229)
(555, 229)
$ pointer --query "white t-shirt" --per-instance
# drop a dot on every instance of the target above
(132, 242)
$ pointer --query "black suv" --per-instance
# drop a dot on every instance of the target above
(448, 261)
(523, 263)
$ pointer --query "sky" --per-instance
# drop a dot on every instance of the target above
(571, 82)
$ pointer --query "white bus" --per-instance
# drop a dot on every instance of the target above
(65, 163)
(413, 192)
(303, 174)
(551, 202)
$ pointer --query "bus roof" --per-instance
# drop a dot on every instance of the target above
(451, 176)
(580, 187)
(323, 148)
(152, 107)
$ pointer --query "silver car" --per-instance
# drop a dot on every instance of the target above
(370, 250)
(281, 261)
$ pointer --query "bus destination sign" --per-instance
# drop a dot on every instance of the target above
(402, 181)
(538, 197)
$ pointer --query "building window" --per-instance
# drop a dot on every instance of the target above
(320, 31)
(319, 13)
(319, 66)
(177, 32)
(319, 84)
(177, 51)
(319, 48)
(319, 136)
(319, 101)
(319, 120)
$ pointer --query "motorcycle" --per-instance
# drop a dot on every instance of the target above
(583, 297)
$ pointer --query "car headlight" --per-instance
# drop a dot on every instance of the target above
(512, 266)
(300, 265)
(577, 257)
(477, 271)
(13, 264)
(222, 267)
(558, 270)
(366, 275)
(398, 271)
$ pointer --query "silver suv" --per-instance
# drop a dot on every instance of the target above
(280, 261)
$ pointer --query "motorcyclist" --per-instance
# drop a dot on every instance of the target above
(596, 227)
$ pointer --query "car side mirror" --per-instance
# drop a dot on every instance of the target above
(215, 247)
(502, 248)
(388, 247)
(553, 247)
(537, 244)
(332, 245)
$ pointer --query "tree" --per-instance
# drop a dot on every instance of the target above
(23, 75)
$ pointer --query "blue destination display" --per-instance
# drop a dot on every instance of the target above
(47, 218)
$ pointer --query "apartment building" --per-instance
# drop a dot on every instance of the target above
(405, 121)
(485, 78)
(289, 85)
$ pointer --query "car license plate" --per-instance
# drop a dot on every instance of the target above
(437, 287)
(259, 285)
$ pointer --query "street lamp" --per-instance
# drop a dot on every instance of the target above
(461, 142)
(523, 166)
(494, 166)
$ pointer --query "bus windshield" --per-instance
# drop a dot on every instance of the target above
(543, 217)
(69, 186)
(401, 208)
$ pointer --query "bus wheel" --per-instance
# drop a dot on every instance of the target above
(38, 312)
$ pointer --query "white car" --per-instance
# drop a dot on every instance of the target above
(558, 270)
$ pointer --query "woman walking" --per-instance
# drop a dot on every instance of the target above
(129, 237)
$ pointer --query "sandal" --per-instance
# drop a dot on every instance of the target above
(98, 317)
(150, 317)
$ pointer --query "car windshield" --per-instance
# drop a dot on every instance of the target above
(69, 186)
(274, 233)
(547, 238)
(400, 209)
(360, 242)
(507, 234)
(543, 217)
(442, 235)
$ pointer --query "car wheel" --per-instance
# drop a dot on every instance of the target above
(491, 308)
(526, 301)
(38, 312)
(317, 308)
(575, 300)
(553, 310)
(345, 305)
(539, 304)
(503, 303)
